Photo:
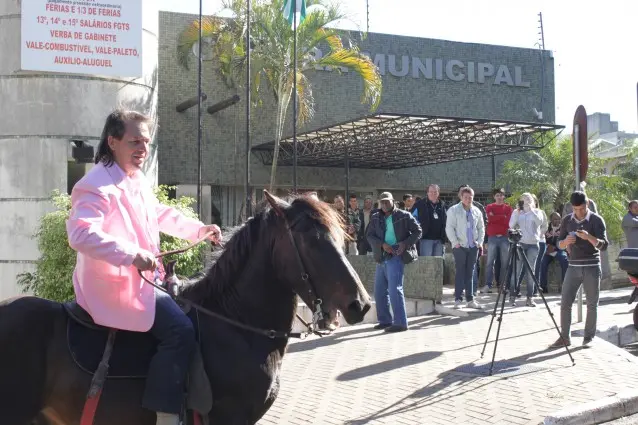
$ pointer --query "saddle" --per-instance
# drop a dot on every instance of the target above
(128, 356)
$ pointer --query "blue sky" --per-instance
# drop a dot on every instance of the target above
(594, 43)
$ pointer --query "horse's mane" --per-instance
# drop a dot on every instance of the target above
(225, 265)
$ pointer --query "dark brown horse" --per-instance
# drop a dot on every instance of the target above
(254, 281)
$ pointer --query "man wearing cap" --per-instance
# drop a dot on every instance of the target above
(392, 233)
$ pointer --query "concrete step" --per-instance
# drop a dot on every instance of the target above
(414, 307)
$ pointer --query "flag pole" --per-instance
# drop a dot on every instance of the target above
(199, 118)
(247, 189)
(294, 99)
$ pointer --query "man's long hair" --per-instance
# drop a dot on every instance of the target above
(115, 126)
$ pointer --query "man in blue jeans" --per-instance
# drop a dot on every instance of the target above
(498, 218)
(584, 235)
(392, 233)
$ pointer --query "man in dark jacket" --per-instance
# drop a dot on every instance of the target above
(392, 233)
(431, 215)
(363, 246)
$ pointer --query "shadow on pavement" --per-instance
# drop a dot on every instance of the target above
(340, 335)
(446, 386)
(388, 365)
(455, 382)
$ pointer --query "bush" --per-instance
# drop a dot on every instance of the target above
(53, 277)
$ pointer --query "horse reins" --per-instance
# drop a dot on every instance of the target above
(270, 333)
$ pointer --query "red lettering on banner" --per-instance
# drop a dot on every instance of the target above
(61, 34)
(121, 26)
(109, 12)
(88, 23)
(33, 45)
(104, 63)
(100, 37)
(52, 7)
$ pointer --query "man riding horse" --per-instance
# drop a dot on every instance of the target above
(114, 226)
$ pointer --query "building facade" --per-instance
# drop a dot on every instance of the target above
(420, 76)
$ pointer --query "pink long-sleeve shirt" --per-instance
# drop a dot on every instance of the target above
(112, 218)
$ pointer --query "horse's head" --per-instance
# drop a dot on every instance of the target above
(309, 257)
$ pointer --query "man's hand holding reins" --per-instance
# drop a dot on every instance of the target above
(215, 233)
(144, 260)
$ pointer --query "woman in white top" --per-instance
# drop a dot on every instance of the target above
(528, 219)
(542, 247)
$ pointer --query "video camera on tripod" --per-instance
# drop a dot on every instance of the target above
(514, 235)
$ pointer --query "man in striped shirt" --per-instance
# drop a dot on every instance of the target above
(583, 235)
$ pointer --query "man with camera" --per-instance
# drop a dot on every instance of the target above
(584, 236)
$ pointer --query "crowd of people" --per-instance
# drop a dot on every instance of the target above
(396, 232)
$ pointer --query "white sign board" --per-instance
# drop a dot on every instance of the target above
(100, 37)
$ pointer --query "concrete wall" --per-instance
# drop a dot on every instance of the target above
(39, 113)
(423, 278)
(337, 100)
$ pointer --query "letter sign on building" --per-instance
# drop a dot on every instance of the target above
(439, 69)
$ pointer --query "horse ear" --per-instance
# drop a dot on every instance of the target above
(275, 203)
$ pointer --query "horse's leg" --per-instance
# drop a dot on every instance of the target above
(261, 410)
(235, 411)
(26, 329)
(230, 411)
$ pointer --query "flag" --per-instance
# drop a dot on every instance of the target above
(299, 14)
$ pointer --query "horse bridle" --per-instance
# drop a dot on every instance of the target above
(318, 314)
(311, 328)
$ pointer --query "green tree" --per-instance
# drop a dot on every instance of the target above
(549, 175)
(52, 278)
(628, 166)
(272, 55)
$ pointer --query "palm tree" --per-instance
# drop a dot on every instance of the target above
(546, 173)
(272, 55)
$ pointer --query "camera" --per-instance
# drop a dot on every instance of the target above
(514, 235)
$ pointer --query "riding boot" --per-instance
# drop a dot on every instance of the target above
(167, 419)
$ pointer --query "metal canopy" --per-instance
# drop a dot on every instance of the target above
(393, 141)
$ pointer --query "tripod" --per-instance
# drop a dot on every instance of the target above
(515, 248)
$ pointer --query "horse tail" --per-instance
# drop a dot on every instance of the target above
(27, 326)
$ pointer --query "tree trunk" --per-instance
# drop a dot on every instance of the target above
(282, 108)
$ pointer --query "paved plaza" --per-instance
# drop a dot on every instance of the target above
(434, 374)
